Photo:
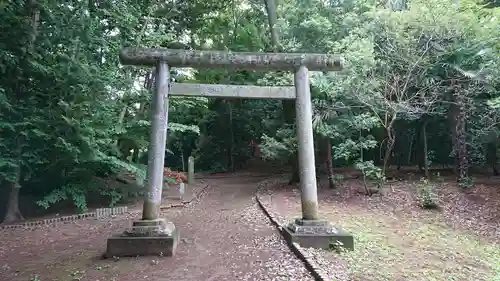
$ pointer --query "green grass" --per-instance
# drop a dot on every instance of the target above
(415, 249)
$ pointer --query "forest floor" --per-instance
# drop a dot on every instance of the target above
(223, 237)
(396, 240)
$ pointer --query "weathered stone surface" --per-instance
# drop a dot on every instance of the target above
(157, 141)
(233, 60)
(305, 150)
(317, 234)
(145, 238)
(231, 91)
(157, 227)
(190, 170)
(312, 227)
(304, 222)
(130, 246)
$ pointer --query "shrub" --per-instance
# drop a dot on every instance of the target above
(426, 195)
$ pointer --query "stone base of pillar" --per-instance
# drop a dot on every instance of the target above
(146, 238)
(318, 234)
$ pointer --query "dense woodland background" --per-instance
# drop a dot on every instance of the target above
(420, 89)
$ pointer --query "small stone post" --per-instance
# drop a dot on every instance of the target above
(182, 190)
(191, 170)
(307, 168)
(156, 149)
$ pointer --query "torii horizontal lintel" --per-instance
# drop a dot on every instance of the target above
(232, 91)
(230, 60)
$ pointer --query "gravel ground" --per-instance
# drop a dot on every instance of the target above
(224, 236)
(331, 269)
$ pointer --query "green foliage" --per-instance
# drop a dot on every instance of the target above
(280, 147)
(74, 192)
(426, 194)
(399, 66)
(465, 183)
(371, 172)
(338, 246)
(63, 92)
(79, 192)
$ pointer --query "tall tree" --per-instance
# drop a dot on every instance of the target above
(30, 11)
(287, 105)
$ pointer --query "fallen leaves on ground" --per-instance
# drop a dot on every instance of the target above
(397, 240)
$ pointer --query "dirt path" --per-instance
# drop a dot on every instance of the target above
(223, 237)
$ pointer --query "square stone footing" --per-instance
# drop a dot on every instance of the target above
(318, 234)
(147, 238)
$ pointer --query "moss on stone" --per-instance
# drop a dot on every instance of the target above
(309, 210)
(150, 210)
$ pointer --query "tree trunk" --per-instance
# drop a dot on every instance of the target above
(410, 150)
(419, 147)
(388, 151)
(13, 212)
(403, 142)
(271, 7)
(121, 119)
(453, 113)
(232, 165)
(289, 114)
(318, 158)
(398, 152)
(182, 155)
(135, 155)
(459, 126)
(491, 156)
(329, 163)
(425, 149)
(457, 115)
(287, 105)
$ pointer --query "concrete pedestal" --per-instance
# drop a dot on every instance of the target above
(317, 234)
(146, 238)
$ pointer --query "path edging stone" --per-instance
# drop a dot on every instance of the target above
(100, 213)
(299, 252)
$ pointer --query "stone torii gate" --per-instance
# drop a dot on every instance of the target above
(153, 235)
